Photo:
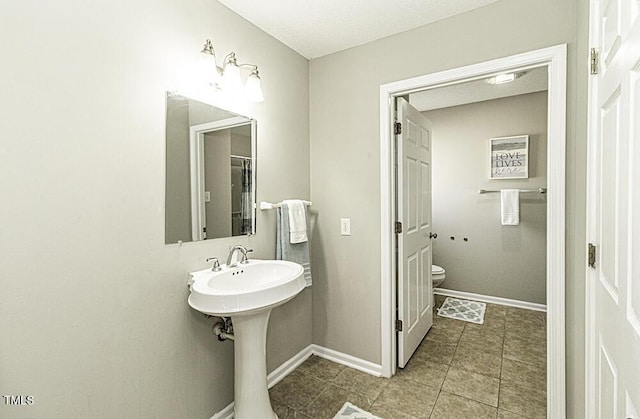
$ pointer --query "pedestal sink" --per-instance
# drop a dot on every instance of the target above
(247, 293)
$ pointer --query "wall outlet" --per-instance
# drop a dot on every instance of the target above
(345, 226)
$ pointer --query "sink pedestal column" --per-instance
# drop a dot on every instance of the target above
(251, 392)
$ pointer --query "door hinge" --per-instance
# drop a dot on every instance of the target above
(397, 128)
(398, 227)
(594, 60)
(398, 325)
(592, 255)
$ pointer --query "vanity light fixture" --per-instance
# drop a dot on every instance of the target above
(504, 78)
(227, 77)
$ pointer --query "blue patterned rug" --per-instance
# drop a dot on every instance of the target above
(466, 310)
(349, 411)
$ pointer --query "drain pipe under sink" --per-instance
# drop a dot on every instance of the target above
(223, 330)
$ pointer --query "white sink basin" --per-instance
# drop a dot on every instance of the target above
(246, 288)
(247, 293)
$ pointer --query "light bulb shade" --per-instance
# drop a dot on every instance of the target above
(207, 68)
(253, 88)
(231, 78)
(207, 64)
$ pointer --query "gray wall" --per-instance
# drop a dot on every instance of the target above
(94, 321)
(345, 159)
(178, 180)
(497, 260)
(240, 143)
(217, 180)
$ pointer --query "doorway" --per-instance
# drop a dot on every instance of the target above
(554, 58)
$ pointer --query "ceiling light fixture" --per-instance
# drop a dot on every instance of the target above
(227, 77)
(504, 78)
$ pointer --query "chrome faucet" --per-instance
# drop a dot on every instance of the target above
(238, 248)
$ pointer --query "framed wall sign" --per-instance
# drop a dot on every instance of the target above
(509, 157)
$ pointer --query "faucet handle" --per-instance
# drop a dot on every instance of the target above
(216, 264)
(245, 258)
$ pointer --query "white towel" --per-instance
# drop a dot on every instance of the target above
(510, 207)
(297, 220)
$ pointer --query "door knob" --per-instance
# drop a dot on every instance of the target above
(433, 235)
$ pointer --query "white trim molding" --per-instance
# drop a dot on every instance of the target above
(226, 413)
(490, 299)
(288, 366)
(347, 360)
(554, 58)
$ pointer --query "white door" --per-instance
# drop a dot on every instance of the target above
(414, 243)
(613, 357)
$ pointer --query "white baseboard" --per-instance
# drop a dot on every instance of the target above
(294, 362)
(226, 413)
(348, 360)
(288, 366)
(490, 299)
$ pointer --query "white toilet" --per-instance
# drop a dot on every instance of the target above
(437, 278)
(437, 275)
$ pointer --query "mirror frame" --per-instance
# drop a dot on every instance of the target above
(196, 145)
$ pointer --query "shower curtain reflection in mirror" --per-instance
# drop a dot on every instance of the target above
(241, 196)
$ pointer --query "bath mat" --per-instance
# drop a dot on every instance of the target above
(467, 310)
(349, 411)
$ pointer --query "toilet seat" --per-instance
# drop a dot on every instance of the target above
(436, 270)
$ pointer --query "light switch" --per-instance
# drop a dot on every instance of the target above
(345, 226)
(207, 196)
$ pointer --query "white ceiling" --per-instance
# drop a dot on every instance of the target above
(321, 27)
(315, 28)
(533, 80)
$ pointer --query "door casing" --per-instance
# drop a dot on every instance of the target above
(554, 58)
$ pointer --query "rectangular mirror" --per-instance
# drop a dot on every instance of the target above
(210, 172)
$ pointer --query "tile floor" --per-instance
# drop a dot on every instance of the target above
(460, 370)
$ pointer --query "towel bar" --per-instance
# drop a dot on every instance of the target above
(268, 205)
(539, 190)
